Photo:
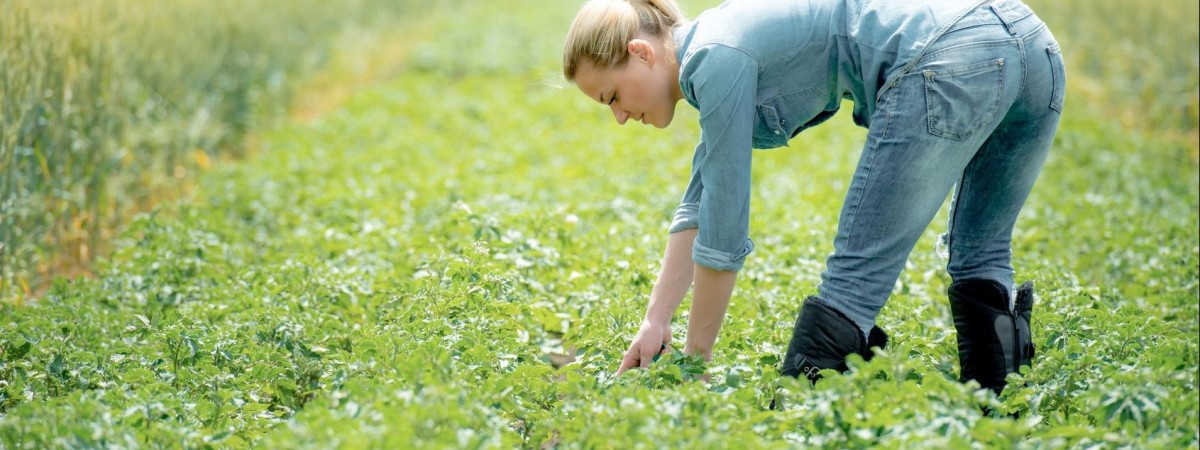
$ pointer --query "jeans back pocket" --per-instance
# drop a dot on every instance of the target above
(961, 99)
(1058, 76)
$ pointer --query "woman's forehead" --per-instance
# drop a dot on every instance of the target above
(593, 81)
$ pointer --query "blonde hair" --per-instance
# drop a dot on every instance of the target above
(602, 29)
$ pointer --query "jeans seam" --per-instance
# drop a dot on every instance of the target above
(1024, 67)
(953, 222)
(966, 46)
(868, 167)
(1034, 32)
(904, 70)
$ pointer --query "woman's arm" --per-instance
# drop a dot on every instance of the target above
(709, 303)
(717, 201)
(724, 83)
(710, 299)
(674, 279)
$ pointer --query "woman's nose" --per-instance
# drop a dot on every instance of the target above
(619, 114)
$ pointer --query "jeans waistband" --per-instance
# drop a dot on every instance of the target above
(1012, 14)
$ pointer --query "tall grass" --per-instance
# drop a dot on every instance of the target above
(1138, 62)
(106, 106)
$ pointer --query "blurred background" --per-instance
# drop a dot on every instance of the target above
(109, 108)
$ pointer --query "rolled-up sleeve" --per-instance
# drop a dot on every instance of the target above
(723, 81)
(687, 215)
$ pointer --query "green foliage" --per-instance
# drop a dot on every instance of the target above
(105, 107)
(413, 269)
(1141, 68)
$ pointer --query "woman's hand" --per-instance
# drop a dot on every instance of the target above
(674, 279)
(652, 339)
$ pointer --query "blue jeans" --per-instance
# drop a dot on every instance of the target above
(978, 111)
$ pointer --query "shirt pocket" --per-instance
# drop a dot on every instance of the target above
(769, 132)
(784, 116)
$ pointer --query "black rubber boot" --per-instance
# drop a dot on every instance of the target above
(822, 339)
(992, 340)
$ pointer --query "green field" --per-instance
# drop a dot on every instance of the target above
(109, 108)
(457, 258)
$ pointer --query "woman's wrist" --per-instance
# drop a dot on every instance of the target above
(674, 278)
(656, 315)
(690, 347)
(709, 304)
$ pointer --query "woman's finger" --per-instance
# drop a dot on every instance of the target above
(628, 362)
(649, 357)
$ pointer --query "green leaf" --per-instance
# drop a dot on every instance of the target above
(251, 409)
(138, 375)
(19, 351)
(56, 367)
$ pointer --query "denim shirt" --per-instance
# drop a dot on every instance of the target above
(761, 71)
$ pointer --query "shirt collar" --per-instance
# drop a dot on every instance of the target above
(679, 36)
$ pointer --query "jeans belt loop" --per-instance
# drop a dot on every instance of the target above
(1007, 24)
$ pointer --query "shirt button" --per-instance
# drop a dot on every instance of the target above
(777, 132)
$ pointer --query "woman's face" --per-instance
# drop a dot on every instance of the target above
(645, 88)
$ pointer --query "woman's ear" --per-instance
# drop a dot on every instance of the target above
(642, 50)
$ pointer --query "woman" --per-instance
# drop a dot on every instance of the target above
(954, 95)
